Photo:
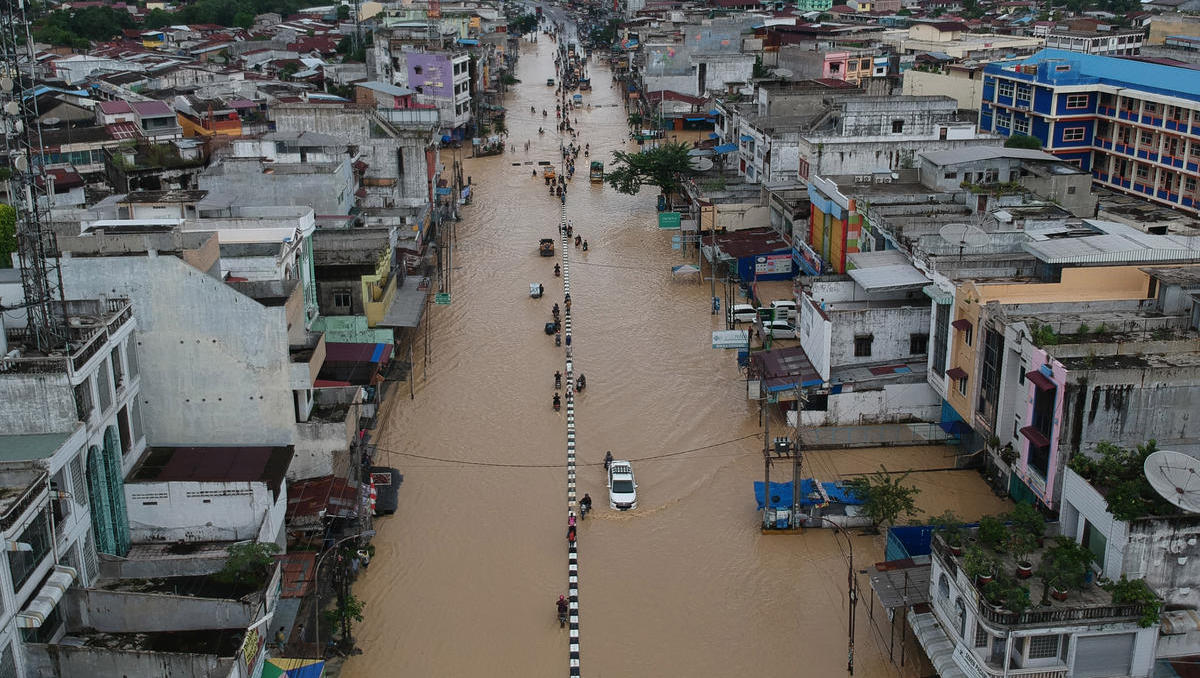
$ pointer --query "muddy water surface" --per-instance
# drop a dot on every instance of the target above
(468, 569)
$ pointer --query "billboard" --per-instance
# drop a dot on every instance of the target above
(768, 264)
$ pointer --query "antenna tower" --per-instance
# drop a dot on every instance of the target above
(37, 251)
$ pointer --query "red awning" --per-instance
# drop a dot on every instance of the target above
(962, 324)
(1041, 381)
(956, 373)
(360, 165)
(1035, 436)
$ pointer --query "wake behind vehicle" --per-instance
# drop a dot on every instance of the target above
(622, 488)
(546, 247)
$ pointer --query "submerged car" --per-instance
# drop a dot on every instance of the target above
(622, 488)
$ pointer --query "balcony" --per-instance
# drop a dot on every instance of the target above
(1092, 606)
(88, 324)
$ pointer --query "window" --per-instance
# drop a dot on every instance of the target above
(962, 386)
(131, 357)
(981, 636)
(941, 330)
(104, 386)
(1077, 101)
(1024, 93)
(115, 359)
(135, 420)
(83, 400)
(1143, 172)
(1003, 120)
(342, 299)
(1074, 133)
(23, 563)
(1070, 190)
(1005, 89)
(1094, 541)
(1150, 107)
(1146, 138)
(1021, 125)
(416, 70)
(961, 612)
(897, 126)
(969, 334)
(950, 175)
(918, 344)
(1042, 647)
(944, 586)
(862, 345)
(399, 162)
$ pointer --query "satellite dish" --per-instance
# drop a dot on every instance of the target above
(964, 235)
(701, 164)
(1176, 477)
(785, 73)
(50, 122)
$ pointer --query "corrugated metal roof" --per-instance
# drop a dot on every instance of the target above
(889, 278)
(974, 153)
(1113, 243)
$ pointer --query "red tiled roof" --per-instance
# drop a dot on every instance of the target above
(338, 497)
(115, 107)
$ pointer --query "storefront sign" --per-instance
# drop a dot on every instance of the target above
(773, 263)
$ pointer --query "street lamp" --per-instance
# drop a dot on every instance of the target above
(317, 579)
(852, 592)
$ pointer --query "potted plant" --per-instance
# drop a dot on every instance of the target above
(1064, 567)
(992, 532)
(979, 566)
(1136, 592)
(950, 528)
(1028, 519)
(1020, 545)
(1008, 594)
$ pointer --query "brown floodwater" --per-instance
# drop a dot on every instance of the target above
(467, 571)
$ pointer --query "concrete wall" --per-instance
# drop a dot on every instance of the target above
(202, 562)
(890, 326)
(956, 84)
(889, 403)
(318, 442)
(130, 612)
(62, 661)
(815, 332)
(873, 116)
(37, 403)
(1172, 24)
(214, 363)
(326, 192)
(831, 156)
(196, 511)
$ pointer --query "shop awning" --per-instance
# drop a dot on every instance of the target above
(747, 137)
(1041, 381)
(715, 111)
(47, 597)
(407, 305)
(938, 295)
(725, 148)
(956, 373)
(962, 324)
(283, 667)
(1035, 436)
(955, 428)
(714, 135)
(695, 119)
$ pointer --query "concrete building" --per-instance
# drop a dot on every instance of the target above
(437, 77)
(1132, 125)
(287, 168)
(208, 494)
(1088, 635)
(954, 39)
(1104, 43)
(960, 82)
(1036, 171)
(1163, 26)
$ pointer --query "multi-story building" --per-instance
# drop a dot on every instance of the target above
(1107, 43)
(69, 431)
(1135, 126)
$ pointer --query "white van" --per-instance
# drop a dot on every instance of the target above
(742, 313)
(782, 305)
(780, 329)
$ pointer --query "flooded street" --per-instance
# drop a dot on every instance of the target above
(467, 571)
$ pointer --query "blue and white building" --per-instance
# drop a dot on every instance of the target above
(1135, 126)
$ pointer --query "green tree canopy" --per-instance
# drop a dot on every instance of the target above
(8, 235)
(1023, 141)
(885, 496)
(665, 167)
(248, 564)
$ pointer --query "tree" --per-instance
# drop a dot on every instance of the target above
(885, 496)
(8, 234)
(665, 167)
(343, 12)
(248, 564)
(1023, 141)
(1064, 566)
(348, 610)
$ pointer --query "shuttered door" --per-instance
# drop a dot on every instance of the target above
(1103, 656)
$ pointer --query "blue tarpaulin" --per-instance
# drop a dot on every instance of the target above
(725, 148)
(781, 494)
(442, 190)
(714, 135)
(445, 138)
(468, 41)
(747, 137)
(715, 111)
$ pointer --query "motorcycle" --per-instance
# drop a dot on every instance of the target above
(580, 383)
(583, 510)
(557, 339)
(557, 403)
(584, 245)
(562, 617)
(557, 380)
(557, 271)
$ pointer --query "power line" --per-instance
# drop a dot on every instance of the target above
(493, 464)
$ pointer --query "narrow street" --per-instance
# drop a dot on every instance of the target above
(686, 585)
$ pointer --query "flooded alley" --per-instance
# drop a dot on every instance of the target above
(685, 585)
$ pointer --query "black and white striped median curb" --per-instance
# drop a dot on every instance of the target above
(572, 549)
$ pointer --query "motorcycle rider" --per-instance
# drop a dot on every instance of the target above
(585, 504)
(557, 401)
(608, 458)
(563, 607)
(580, 383)
(557, 379)
(557, 272)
